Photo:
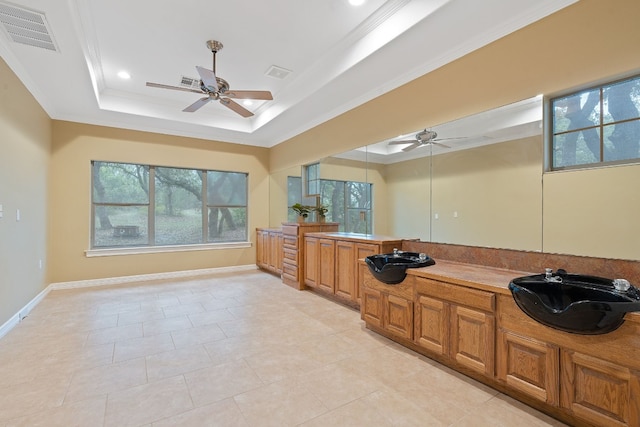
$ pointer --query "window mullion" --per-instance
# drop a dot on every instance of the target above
(205, 210)
(151, 220)
(601, 124)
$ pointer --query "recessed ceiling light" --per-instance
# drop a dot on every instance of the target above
(356, 2)
(247, 102)
(124, 75)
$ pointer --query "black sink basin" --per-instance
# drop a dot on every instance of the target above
(392, 268)
(575, 303)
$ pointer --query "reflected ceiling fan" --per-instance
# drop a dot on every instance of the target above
(424, 137)
(217, 89)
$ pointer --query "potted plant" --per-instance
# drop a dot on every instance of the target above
(302, 211)
(321, 210)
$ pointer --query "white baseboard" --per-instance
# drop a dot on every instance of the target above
(23, 312)
(110, 281)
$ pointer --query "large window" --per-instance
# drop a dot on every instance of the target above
(141, 205)
(349, 203)
(600, 125)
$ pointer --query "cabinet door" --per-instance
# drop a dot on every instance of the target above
(473, 339)
(261, 254)
(371, 309)
(326, 266)
(432, 325)
(280, 252)
(311, 258)
(529, 365)
(398, 317)
(345, 269)
(362, 250)
(274, 254)
(598, 391)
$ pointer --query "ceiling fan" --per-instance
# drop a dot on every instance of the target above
(217, 89)
(424, 137)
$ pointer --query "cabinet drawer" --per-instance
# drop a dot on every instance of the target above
(290, 270)
(290, 230)
(290, 241)
(460, 295)
(403, 289)
(290, 255)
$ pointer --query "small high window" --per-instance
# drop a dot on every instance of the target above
(599, 125)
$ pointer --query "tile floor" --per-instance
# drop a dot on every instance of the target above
(236, 349)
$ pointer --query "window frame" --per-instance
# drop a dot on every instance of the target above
(151, 246)
(550, 119)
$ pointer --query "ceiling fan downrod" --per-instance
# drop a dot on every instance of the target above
(214, 46)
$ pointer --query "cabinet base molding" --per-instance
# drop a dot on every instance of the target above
(335, 298)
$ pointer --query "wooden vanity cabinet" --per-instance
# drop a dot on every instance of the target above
(594, 379)
(311, 264)
(345, 266)
(294, 261)
(269, 244)
(319, 263)
(389, 307)
(332, 260)
(457, 323)
(601, 392)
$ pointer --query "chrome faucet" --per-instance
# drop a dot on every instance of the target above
(549, 277)
(621, 285)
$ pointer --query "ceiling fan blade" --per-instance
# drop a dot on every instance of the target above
(197, 105)
(412, 146)
(183, 89)
(208, 78)
(449, 139)
(232, 105)
(250, 94)
(441, 145)
(405, 141)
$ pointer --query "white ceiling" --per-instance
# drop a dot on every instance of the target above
(340, 56)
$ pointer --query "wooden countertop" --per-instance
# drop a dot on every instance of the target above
(356, 237)
(471, 275)
(480, 277)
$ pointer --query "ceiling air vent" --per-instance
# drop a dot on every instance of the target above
(277, 72)
(26, 26)
(190, 83)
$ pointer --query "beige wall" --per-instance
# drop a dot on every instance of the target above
(75, 145)
(408, 195)
(496, 191)
(278, 195)
(25, 135)
(588, 41)
(594, 212)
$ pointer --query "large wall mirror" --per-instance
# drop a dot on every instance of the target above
(474, 181)
(480, 182)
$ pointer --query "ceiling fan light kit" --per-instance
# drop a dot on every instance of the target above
(217, 89)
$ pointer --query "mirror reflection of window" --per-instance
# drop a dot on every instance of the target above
(349, 203)
(312, 179)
